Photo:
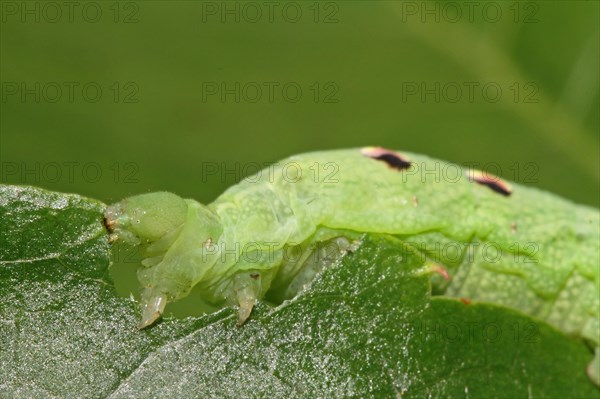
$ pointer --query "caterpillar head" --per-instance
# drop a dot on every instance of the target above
(145, 218)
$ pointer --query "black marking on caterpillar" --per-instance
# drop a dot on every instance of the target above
(495, 183)
(391, 158)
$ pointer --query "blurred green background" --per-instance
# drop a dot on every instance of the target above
(110, 99)
(156, 125)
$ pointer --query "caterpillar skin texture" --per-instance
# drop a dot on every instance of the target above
(501, 243)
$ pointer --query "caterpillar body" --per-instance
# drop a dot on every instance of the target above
(260, 237)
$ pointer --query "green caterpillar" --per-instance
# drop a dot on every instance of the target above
(270, 234)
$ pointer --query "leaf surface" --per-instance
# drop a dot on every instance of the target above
(367, 327)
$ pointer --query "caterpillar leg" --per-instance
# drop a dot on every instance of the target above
(322, 255)
(247, 287)
(593, 369)
(153, 305)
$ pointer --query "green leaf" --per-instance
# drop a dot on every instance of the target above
(366, 327)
